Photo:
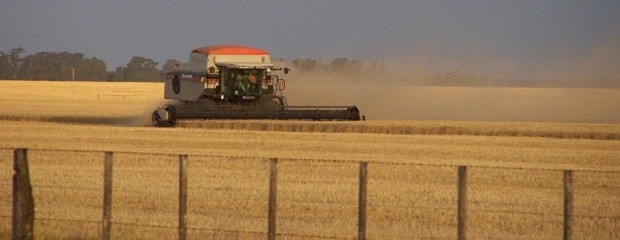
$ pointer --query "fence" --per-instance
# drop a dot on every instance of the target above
(23, 210)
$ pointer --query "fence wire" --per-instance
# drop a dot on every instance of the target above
(216, 230)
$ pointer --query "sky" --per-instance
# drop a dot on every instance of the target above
(532, 39)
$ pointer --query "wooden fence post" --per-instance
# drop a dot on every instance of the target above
(107, 196)
(361, 217)
(462, 203)
(273, 191)
(568, 203)
(23, 202)
(182, 197)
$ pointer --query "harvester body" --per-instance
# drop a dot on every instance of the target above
(235, 82)
(201, 75)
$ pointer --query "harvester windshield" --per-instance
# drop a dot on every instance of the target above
(242, 79)
(241, 82)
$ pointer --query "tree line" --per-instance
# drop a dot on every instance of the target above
(63, 66)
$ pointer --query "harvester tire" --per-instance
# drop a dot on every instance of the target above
(164, 123)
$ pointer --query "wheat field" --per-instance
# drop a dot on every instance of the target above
(515, 187)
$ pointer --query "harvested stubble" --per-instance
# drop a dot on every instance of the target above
(227, 194)
(406, 201)
(6, 173)
(492, 151)
(515, 202)
(79, 102)
(314, 198)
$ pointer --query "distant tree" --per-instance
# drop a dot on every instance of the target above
(91, 69)
(308, 65)
(38, 66)
(10, 63)
(344, 65)
(60, 66)
(15, 61)
(119, 74)
(139, 69)
(5, 66)
(110, 76)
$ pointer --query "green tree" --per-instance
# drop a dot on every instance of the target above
(5, 66)
(119, 74)
(61, 66)
(91, 69)
(138, 69)
(37, 66)
(10, 63)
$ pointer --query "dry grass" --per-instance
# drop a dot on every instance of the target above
(488, 151)
(80, 102)
(314, 197)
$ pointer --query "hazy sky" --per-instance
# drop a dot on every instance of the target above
(517, 38)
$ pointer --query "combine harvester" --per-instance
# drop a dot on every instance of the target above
(235, 82)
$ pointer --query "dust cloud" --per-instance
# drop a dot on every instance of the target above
(486, 87)
(407, 102)
(566, 87)
(143, 118)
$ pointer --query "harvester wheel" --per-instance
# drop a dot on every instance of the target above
(164, 123)
(158, 122)
(171, 115)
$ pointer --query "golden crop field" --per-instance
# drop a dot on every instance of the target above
(515, 180)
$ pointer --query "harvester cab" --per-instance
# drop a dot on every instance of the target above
(247, 81)
(235, 82)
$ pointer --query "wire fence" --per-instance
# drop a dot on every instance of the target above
(286, 184)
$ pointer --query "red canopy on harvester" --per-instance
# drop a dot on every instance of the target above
(230, 50)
